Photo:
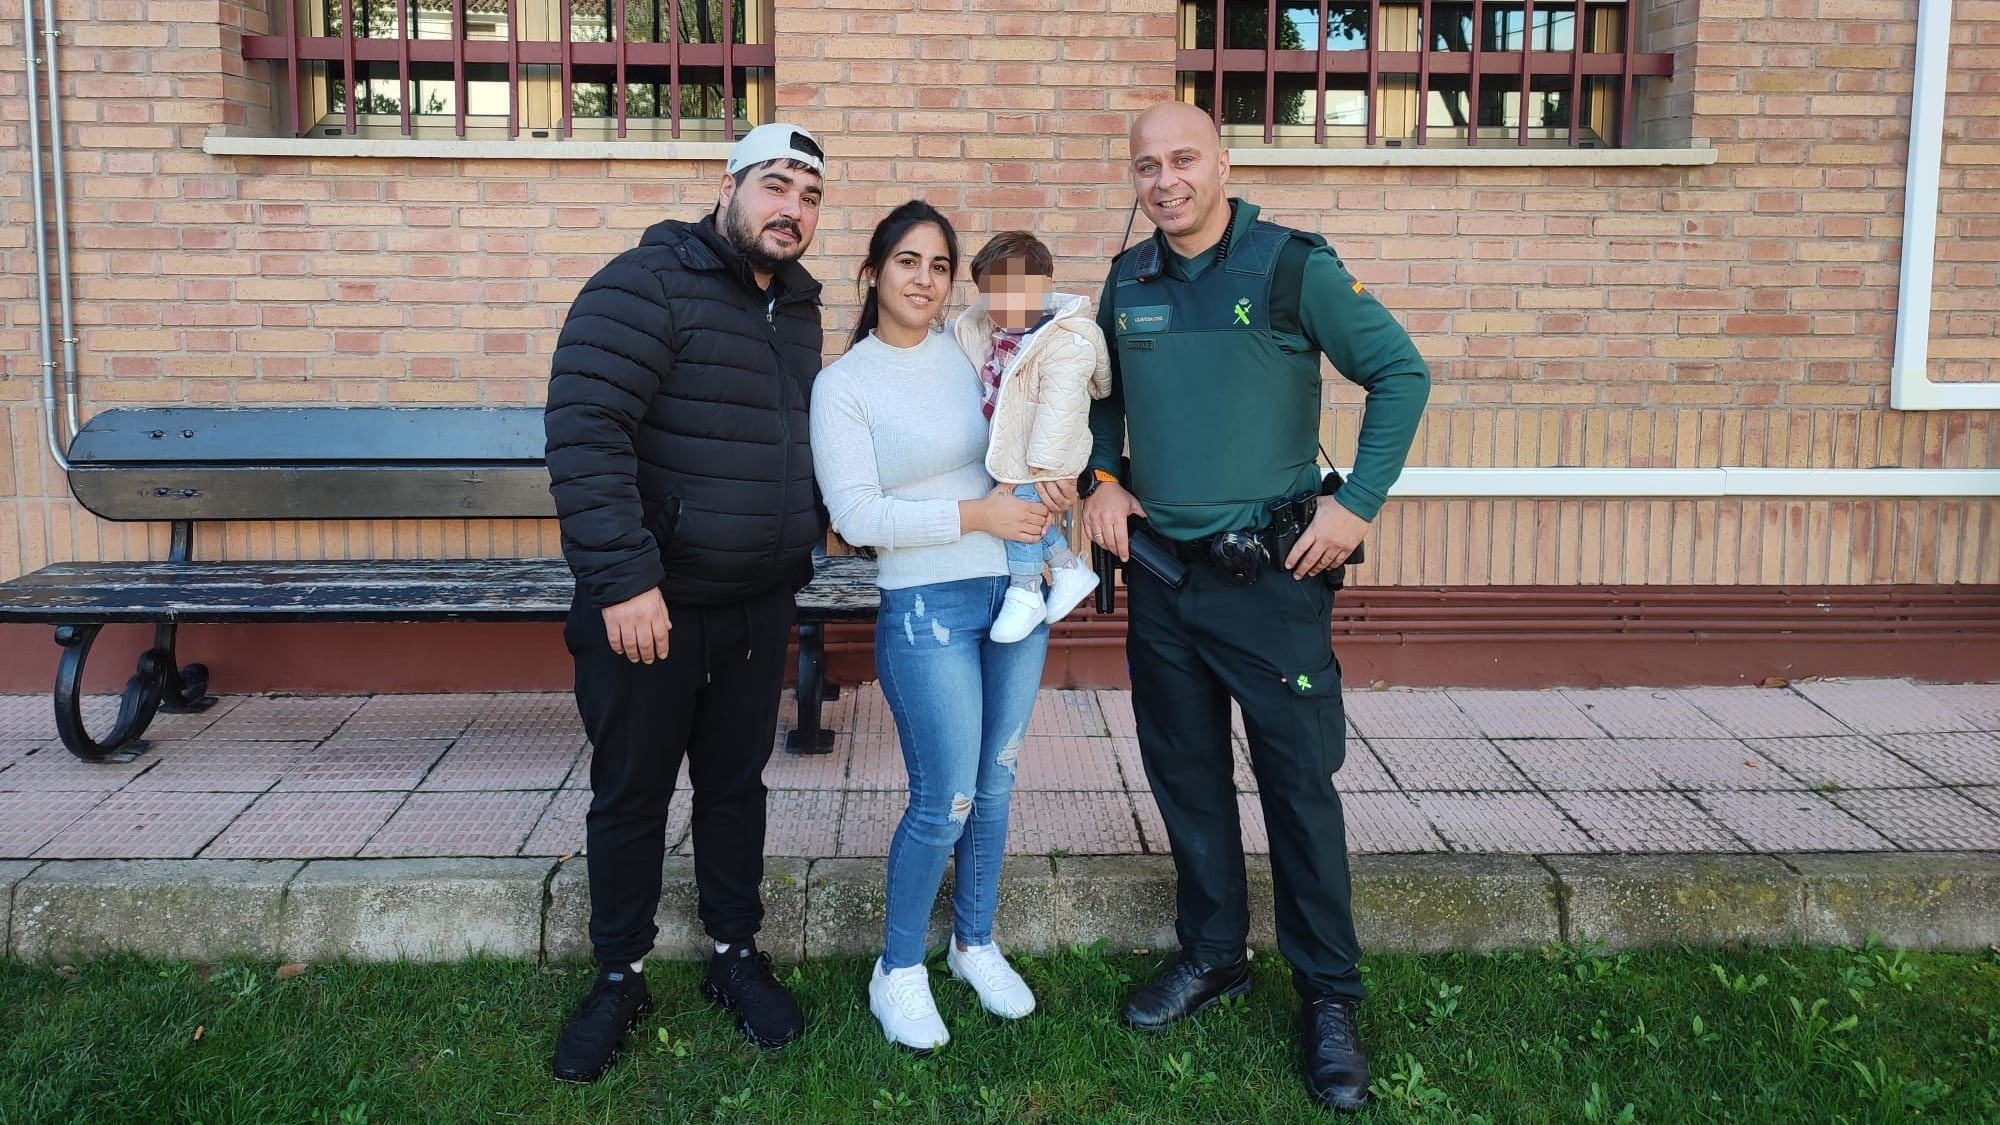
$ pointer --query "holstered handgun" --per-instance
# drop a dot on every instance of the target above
(1289, 519)
(1147, 552)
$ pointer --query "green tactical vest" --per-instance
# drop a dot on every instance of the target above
(1222, 407)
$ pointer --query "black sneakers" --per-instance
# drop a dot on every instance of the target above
(1336, 1071)
(589, 1044)
(741, 981)
(1185, 988)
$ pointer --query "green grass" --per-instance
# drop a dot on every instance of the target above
(1560, 1035)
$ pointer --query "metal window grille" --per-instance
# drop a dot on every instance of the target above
(1423, 72)
(551, 68)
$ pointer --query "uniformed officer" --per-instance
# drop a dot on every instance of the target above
(1218, 322)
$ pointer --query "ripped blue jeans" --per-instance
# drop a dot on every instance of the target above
(961, 705)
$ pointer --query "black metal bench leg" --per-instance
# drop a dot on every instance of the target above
(809, 738)
(182, 688)
(158, 683)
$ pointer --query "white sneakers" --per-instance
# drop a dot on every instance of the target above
(1070, 585)
(901, 999)
(1024, 609)
(1001, 990)
(1020, 612)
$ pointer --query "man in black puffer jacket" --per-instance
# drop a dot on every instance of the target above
(679, 456)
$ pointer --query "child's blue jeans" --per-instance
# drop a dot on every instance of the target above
(1024, 560)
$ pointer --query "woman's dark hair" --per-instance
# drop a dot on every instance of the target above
(888, 233)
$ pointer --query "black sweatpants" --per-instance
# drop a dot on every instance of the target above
(713, 699)
(1268, 644)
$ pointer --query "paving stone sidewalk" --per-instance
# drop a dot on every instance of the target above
(433, 827)
(1816, 767)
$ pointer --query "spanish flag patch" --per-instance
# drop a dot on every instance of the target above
(1357, 289)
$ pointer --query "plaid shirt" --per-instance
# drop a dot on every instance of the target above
(1006, 345)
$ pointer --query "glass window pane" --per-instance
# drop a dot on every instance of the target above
(587, 23)
(1292, 105)
(1246, 23)
(1451, 28)
(646, 21)
(1554, 30)
(1448, 113)
(1346, 26)
(1546, 106)
(1344, 104)
(701, 21)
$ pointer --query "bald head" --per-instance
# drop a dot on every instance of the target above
(1178, 118)
(1179, 169)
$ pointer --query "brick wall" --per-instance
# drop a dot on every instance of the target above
(1740, 313)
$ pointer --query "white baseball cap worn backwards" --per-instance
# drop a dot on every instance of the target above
(776, 141)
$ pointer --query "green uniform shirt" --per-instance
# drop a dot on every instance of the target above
(1335, 316)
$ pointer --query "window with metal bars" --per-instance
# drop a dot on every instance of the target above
(494, 69)
(1398, 73)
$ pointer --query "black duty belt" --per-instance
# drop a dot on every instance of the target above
(1203, 550)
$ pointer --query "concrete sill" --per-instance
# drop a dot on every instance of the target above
(407, 148)
(410, 148)
(1261, 157)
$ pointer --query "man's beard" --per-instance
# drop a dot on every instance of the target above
(748, 239)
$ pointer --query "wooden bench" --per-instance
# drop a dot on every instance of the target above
(185, 465)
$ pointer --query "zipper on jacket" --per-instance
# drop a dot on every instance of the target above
(784, 423)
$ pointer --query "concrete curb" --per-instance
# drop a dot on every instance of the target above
(1943, 900)
(1639, 900)
(1438, 903)
(11, 873)
(173, 908)
(446, 909)
(415, 909)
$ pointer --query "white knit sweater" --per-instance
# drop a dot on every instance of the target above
(898, 440)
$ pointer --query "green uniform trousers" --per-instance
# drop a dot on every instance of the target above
(1268, 645)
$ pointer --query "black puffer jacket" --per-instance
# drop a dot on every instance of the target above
(678, 448)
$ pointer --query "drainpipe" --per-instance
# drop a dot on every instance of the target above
(60, 181)
(1910, 385)
(52, 422)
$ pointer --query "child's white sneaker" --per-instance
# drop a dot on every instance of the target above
(1001, 990)
(1071, 585)
(902, 1001)
(1020, 612)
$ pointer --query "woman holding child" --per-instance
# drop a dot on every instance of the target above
(901, 435)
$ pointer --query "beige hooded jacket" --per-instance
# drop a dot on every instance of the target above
(1041, 420)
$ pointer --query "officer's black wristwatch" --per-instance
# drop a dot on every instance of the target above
(1088, 480)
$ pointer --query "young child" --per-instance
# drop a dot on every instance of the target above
(1041, 359)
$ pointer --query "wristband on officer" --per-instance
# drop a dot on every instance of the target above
(1088, 480)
